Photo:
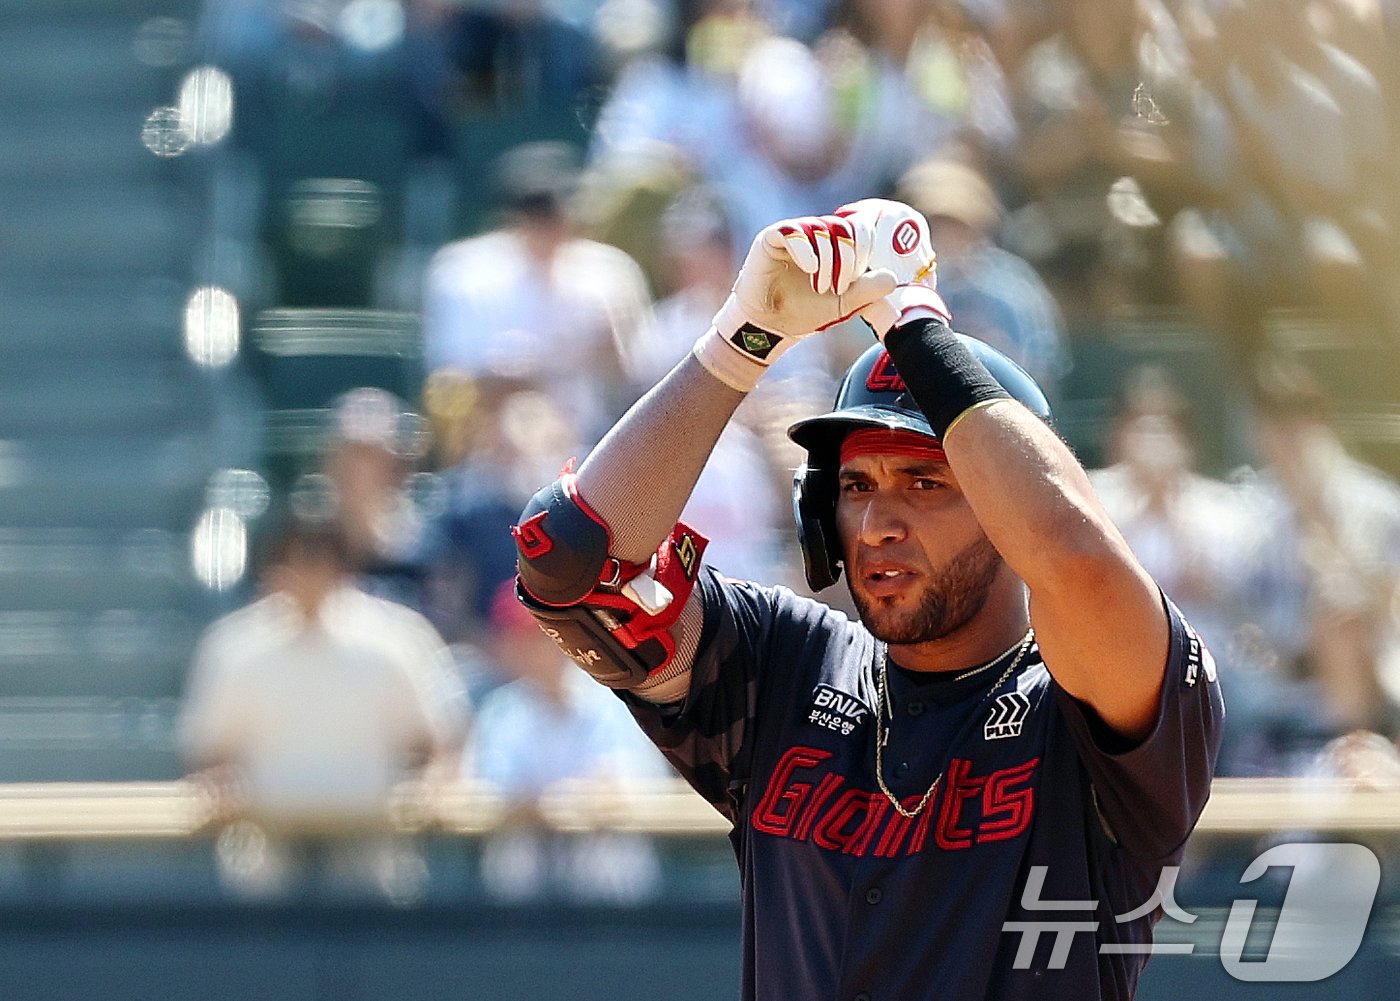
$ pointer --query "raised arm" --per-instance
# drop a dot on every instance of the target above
(1137, 688)
(1098, 616)
(604, 565)
(1100, 619)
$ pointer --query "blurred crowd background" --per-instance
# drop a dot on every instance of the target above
(304, 299)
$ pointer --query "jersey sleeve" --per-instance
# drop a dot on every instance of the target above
(1150, 793)
(706, 738)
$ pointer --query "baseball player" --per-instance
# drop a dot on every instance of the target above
(1019, 731)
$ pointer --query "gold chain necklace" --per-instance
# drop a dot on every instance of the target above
(882, 735)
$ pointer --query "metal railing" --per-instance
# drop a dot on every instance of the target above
(180, 809)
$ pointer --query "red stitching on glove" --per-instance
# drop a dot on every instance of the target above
(837, 228)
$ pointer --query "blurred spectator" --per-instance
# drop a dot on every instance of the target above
(521, 56)
(1191, 532)
(697, 269)
(547, 728)
(365, 488)
(305, 710)
(1092, 161)
(1197, 538)
(814, 129)
(519, 439)
(534, 303)
(736, 504)
(1329, 581)
(994, 295)
(941, 48)
(674, 102)
(773, 126)
(1365, 760)
(1288, 154)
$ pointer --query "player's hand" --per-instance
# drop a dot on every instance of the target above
(800, 276)
(900, 243)
(806, 274)
(899, 239)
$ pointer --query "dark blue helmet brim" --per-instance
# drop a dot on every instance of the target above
(817, 434)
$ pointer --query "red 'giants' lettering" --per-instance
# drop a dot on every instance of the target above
(1007, 803)
(851, 822)
(958, 785)
(967, 809)
(782, 790)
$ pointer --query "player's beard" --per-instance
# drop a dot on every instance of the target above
(950, 599)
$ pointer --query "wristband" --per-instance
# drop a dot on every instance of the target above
(735, 351)
(959, 419)
(944, 377)
(904, 305)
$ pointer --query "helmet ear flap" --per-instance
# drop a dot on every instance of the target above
(814, 508)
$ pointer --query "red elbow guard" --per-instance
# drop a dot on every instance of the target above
(650, 598)
(619, 628)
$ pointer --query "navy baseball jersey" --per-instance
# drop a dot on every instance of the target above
(844, 898)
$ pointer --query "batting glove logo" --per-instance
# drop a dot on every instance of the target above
(905, 239)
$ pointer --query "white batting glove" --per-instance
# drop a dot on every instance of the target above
(905, 303)
(900, 243)
(800, 276)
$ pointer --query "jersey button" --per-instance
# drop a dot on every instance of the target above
(873, 895)
(916, 709)
(901, 769)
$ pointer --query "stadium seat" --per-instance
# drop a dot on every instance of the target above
(109, 431)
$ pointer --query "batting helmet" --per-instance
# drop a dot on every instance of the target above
(872, 395)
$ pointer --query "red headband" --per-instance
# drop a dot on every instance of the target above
(882, 441)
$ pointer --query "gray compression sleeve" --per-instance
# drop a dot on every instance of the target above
(639, 477)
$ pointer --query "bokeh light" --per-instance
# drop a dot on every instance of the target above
(372, 25)
(163, 134)
(206, 105)
(211, 327)
(219, 549)
(241, 491)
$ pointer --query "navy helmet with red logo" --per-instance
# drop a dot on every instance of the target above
(872, 395)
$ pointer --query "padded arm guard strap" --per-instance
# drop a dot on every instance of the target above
(563, 545)
(613, 618)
